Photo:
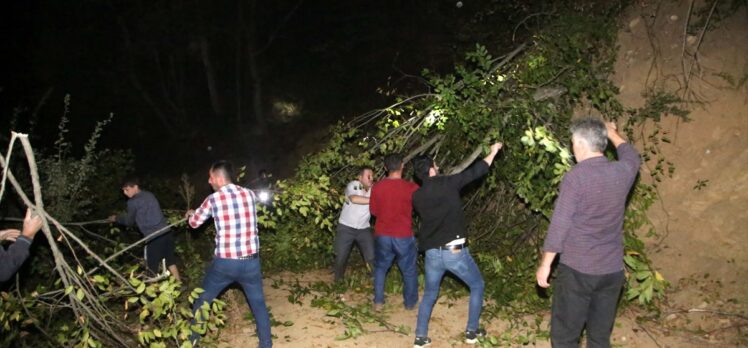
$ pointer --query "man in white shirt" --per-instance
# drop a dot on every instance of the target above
(353, 225)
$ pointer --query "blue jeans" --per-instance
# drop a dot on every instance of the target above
(222, 273)
(404, 249)
(461, 264)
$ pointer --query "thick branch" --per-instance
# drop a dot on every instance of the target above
(469, 160)
(422, 148)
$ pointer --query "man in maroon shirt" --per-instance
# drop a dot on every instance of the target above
(587, 230)
(391, 204)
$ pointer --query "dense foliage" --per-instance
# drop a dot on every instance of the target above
(525, 98)
(70, 295)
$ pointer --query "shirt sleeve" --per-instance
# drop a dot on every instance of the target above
(128, 219)
(629, 157)
(561, 221)
(468, 175)
(202, 213)
(350, 190)
(12, 259)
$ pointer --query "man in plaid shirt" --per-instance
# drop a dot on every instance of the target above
(237, 257)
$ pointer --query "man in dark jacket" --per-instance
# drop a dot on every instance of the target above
(443, 237)
(12, 259)
(144, 211)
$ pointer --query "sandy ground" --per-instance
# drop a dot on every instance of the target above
(312, 328)
(702, 232)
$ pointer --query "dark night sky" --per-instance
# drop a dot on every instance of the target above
(328, 57)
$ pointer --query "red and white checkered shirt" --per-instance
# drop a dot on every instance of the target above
(233, 210)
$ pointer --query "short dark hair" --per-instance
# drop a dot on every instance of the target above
(130, 181)
(393, 162)
(224, 168)
(363, 169)
(592, 130)
(421, 166)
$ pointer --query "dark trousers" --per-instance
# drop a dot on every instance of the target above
(160, 248)
(580, 299)
(344, 238)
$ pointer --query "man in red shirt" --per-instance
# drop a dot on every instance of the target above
(391, 204)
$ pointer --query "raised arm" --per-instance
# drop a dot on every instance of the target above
(615, 138)
(476, 170)
(626, 154)
(494, 150)
(12, 259)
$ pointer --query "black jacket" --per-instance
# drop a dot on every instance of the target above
(12, 259)
(439, 205)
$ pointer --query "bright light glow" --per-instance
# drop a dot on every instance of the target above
(432, 117)
(264, 196)
(286, 111)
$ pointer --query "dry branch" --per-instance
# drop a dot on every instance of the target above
(88, 310)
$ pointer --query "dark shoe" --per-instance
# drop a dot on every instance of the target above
(471, 337)
(421, 342)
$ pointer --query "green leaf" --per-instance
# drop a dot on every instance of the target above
(80, 295)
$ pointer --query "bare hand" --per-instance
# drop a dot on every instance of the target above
(613, 135)
(496, 147)
(10, 235)
(611, 126)
(112, 218)
(31, 224)
(189, 213)
(542, 275)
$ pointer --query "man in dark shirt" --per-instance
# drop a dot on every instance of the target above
(587, 230)
(443, 237)
(12, 259)
(144, 211)
(391, 203)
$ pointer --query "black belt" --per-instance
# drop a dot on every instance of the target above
(452, 247)
(249, 257)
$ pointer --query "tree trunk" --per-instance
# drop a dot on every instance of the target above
(260, 126)
(238, 71)
(210, 76)
(135, 81)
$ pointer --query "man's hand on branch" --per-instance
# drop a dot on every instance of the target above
(189, 213)
(494, 150)
(112, 218)
(613, 134)
(32, 223)
(496, 147)
(10, 235)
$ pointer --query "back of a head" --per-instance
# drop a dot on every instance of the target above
(592, 130)
(130, 181)
(421, 166)
(393, 162)
(223, 168)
